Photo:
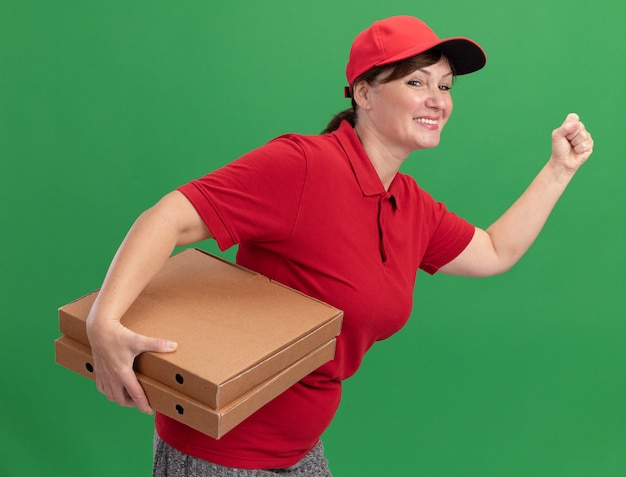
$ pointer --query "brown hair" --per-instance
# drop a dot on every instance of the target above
(396, 70)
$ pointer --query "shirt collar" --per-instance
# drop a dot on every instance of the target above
(364, 171)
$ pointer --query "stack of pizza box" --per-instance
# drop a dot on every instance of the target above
(242, 340)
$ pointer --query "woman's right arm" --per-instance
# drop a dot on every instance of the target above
(171, 222)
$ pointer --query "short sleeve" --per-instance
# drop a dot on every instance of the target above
(449, 237)
(254, 198)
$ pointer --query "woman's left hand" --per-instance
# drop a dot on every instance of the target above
(572, 144)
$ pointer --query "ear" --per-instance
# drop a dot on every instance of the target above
(361, 94)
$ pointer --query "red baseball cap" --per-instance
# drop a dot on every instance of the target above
(401, 37)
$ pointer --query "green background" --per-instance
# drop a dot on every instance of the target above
(106, 106)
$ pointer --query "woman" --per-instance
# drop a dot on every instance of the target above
(329, 215)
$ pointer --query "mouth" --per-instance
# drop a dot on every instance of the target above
(428, 121)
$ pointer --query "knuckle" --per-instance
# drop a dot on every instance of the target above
(137, 397)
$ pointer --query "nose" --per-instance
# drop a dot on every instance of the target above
(437, 99)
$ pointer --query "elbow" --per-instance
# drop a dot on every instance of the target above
(493, 264)
(499, 269)
(500, 265)
(487, 271)
(502, 257)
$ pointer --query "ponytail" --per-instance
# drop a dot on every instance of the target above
(348, 115)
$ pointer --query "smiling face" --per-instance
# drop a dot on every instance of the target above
(406, 113)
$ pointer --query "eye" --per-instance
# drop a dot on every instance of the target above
(414, 83)
(445, 87)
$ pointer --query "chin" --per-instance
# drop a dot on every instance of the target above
(427, 145)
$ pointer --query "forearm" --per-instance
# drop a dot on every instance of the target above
(515, 231)
(144, 250)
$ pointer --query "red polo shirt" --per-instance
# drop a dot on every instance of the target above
(312, 213)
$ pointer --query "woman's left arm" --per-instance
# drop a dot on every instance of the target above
(496, 249)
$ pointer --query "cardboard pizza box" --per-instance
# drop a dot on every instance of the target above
(234, 327)
(215, 423)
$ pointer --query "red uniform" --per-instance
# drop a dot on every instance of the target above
(312, 213)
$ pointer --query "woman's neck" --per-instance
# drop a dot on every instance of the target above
(385, 161)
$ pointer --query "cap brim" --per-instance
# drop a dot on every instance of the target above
(465, 55)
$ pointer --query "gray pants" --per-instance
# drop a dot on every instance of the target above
(169, 462)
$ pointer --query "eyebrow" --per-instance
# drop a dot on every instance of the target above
(430, 74)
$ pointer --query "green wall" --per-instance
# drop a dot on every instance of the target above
(106, 106)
